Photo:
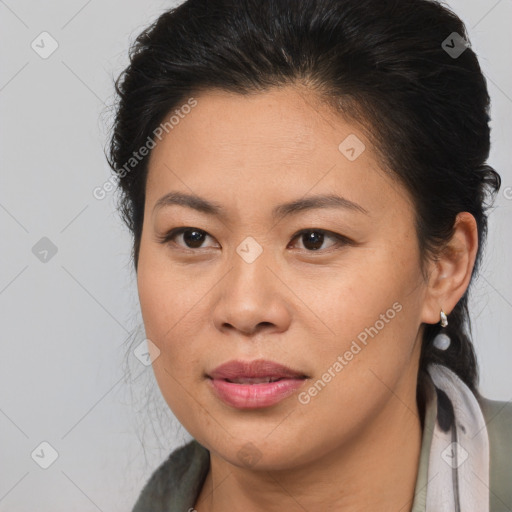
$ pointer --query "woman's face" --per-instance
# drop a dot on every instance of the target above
(242, 285)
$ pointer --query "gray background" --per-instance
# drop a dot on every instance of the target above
(67, 322)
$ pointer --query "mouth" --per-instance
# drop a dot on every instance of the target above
(254, 380)
(254, 384)
(251, 371)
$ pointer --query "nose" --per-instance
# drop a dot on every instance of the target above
(252, 299)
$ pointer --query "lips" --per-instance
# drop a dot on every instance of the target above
(254, 384)
(254, 372)
(254, 380)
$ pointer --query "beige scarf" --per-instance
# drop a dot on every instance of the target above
(458, 470)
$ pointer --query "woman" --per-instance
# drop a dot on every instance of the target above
(306, 186)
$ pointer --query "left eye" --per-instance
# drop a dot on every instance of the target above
(312, 239)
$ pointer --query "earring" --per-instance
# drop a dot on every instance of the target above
(444, 319)
(442, 341)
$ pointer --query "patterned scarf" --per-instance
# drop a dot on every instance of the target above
(458, 470)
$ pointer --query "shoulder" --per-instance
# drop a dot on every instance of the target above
(498, 419)
(500, 410)
(177, 481)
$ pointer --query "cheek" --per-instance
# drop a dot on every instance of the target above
(373, 308)
(165, 293)
(173, 315)
(371, 283)
(170, 324)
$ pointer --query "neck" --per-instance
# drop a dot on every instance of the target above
(377, 470)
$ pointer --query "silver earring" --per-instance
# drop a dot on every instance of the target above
(442, 341)
(444, 319)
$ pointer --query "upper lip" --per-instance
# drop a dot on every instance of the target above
(254, 369)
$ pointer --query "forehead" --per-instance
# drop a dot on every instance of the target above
(262, 144)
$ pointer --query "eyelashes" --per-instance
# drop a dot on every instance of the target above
(173, 233)
(199, 236)
(339, 240)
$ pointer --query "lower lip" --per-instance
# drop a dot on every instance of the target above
(254, 396)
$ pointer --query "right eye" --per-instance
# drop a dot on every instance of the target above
(192, 237)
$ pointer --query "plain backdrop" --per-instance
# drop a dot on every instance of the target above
(68, 299)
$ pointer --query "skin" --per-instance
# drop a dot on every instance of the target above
(356, 445)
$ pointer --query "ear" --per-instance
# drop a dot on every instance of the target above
(450, 273)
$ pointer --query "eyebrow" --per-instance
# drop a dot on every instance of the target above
(280, 211)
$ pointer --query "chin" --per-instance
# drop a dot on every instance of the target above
(259, 452)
